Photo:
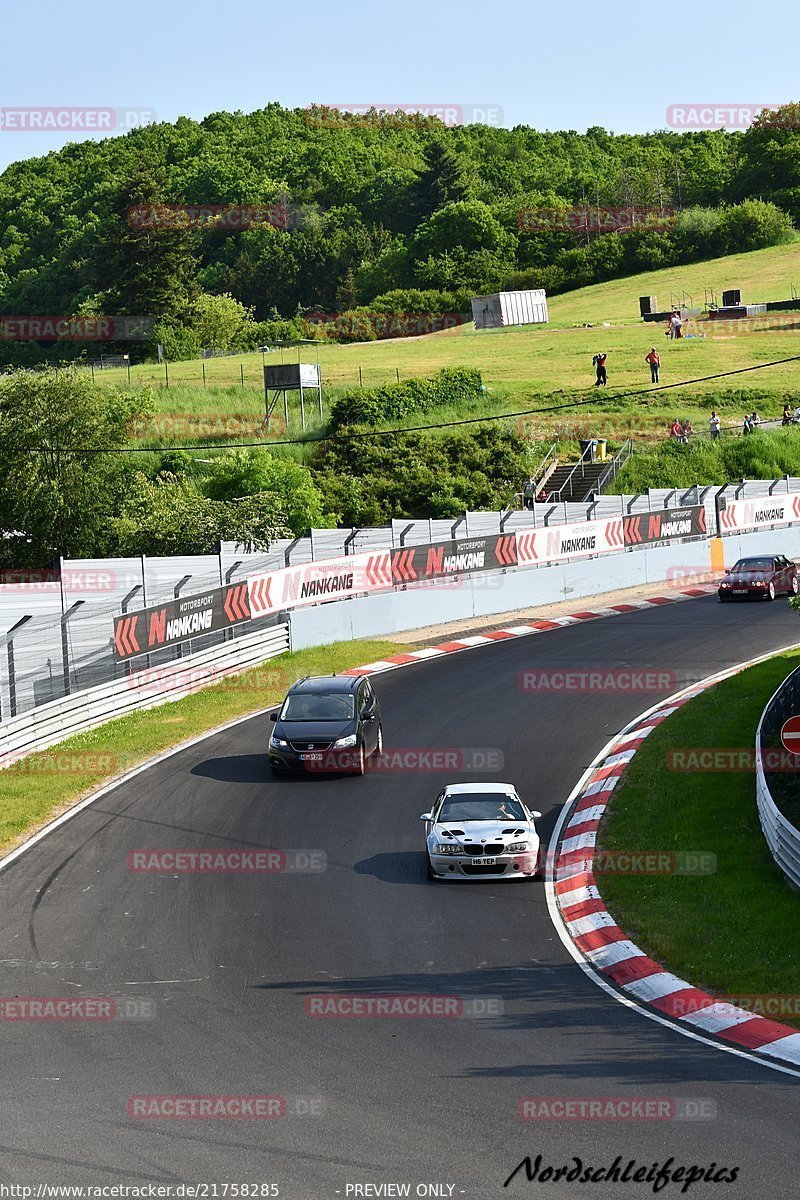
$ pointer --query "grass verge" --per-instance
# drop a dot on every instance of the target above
(736, 932)
(39, 787)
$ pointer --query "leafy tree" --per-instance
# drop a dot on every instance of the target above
(220, 322)
(283, 487)
(57, 486)
(142, 267)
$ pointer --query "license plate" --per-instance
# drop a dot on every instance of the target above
(740, 591)
(310, 758)
(488, 862)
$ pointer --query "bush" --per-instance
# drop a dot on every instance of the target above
(372, 480)
(453, 385)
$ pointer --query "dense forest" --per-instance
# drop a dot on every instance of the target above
(400, 213)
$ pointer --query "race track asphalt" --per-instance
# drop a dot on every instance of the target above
(227, 961)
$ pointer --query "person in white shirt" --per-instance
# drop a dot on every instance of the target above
(714, 424)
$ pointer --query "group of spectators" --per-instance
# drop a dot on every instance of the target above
(653, 360)
(681, 431)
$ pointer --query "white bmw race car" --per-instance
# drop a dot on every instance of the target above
(480, 831)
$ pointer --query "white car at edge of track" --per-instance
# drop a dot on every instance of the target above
(480, 831)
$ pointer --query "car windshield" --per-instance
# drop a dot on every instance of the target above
(319, 706)
(753, 564)
(481, 808)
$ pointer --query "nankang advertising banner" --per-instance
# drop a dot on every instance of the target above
(325, 579)
(663, 524)
(180, 620)
(441, 560)
(759, 514)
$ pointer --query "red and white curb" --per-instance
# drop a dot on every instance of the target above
(515, 631)
(604, 949)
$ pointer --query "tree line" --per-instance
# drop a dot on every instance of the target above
(375, 212)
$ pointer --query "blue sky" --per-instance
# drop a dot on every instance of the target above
(557, 66)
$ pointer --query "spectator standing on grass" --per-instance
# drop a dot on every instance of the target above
(528, 492)
(599, 361)
(654, 359)
(787, 415)
(746, 426)
(714, 424)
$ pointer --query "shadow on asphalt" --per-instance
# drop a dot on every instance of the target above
(545, 1001)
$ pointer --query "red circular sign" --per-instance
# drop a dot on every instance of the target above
(790, 735)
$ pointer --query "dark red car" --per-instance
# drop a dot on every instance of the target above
(763, 576)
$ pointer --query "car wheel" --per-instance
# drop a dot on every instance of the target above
(378, 751)
(771, 590)
(793, 588)
(360, 761)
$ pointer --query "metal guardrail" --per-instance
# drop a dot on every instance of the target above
(782, 837)
(615, 466)
(50, 723)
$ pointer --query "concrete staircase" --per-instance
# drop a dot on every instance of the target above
(564, 485)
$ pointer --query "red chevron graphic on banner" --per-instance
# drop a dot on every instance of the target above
(526, 546)
(507, 550)
(614, 533)
(125, 637)
(260, 598)
(632, 532)
(796, 505)
(403, 566)
(235, 604)
(377, 569)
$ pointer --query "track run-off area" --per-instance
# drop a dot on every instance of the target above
(220, 979)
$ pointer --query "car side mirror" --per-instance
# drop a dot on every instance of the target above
(273, 716)
(426, 816)
(534, 813)
(727, 570)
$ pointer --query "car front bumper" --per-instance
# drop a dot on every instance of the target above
(327, 761)
(466, 870)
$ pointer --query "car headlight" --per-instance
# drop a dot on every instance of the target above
(760, 583)
(724, 585)
(278, 743)
(447, 848)
(514, 846)
(343, 743)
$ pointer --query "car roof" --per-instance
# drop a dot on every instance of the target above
(466, 789)
(326, 683)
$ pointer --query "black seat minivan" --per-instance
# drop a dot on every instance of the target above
(327, 723)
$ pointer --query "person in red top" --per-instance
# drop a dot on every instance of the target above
(675, 429)
(654, 359)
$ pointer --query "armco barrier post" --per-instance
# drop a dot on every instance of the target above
(65, 644)
(12, 676)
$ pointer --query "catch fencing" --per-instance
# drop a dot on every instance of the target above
(783, 838)
(57, 628)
